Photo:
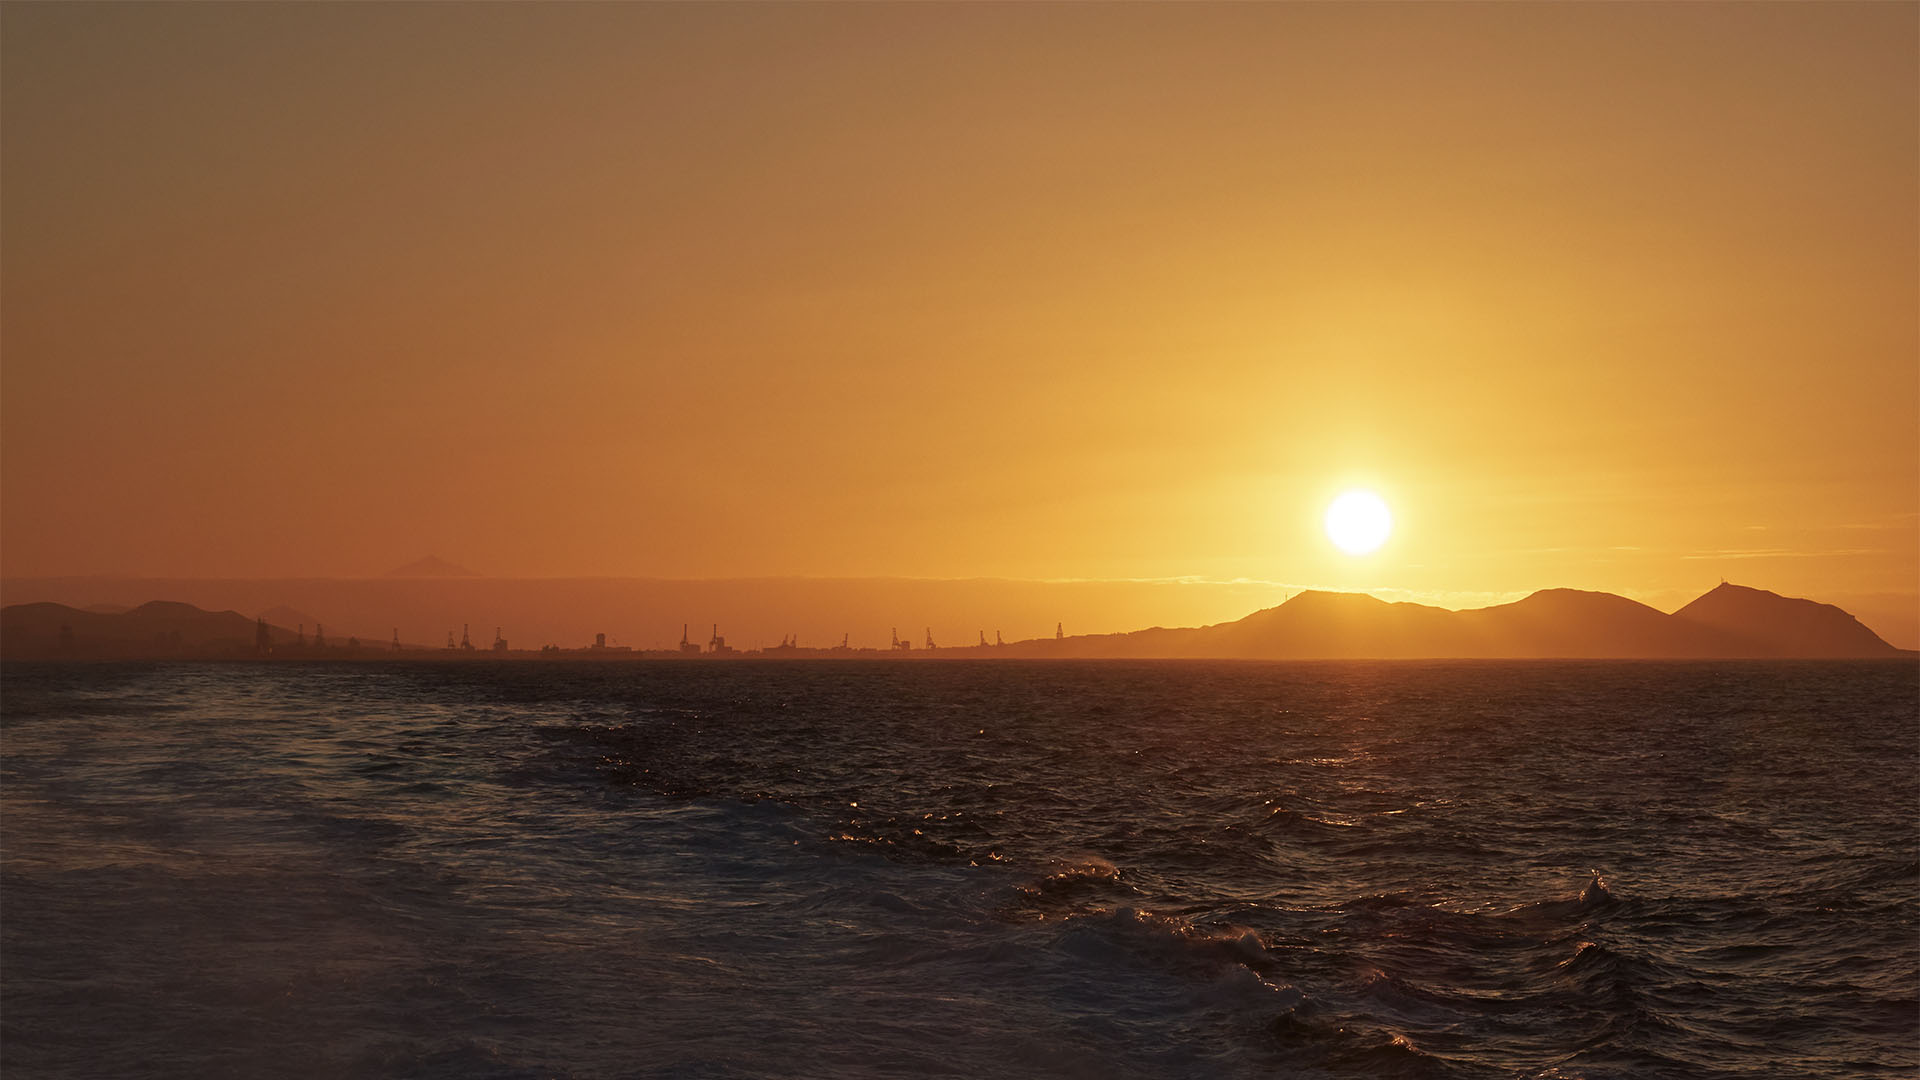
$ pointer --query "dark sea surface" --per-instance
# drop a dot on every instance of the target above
(969, 869)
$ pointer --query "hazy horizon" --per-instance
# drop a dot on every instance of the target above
(757, 612)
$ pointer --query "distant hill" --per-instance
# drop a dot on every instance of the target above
(1775, 625)
(1573, 623)
(158, 628)
(433, 566)
(1730, 622)
(165, 629)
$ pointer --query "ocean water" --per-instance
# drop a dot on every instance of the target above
(970, 869)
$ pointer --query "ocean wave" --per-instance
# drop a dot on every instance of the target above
(855, 871)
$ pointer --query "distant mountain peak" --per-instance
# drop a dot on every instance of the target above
(1728, 588)
(1784, 625)
(1577, 599)
(1329, 598)
(1727, 596)
(166, 609)
(430, 567)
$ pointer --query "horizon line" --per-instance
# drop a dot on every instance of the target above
(1445, 599)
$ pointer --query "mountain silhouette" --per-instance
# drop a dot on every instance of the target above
(1730, 622)
(1775, 625)
(1574, 623)
(155, 629)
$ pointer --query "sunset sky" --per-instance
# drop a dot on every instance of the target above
(1611, 296)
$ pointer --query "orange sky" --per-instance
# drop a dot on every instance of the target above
(1615, 296)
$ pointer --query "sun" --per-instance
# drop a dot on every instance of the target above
(1358, 522)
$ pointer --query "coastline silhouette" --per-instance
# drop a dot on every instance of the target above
(1728, 622)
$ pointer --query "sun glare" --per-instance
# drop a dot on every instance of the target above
(1358, 522)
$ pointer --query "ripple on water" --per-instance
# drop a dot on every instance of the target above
(1130, 870)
